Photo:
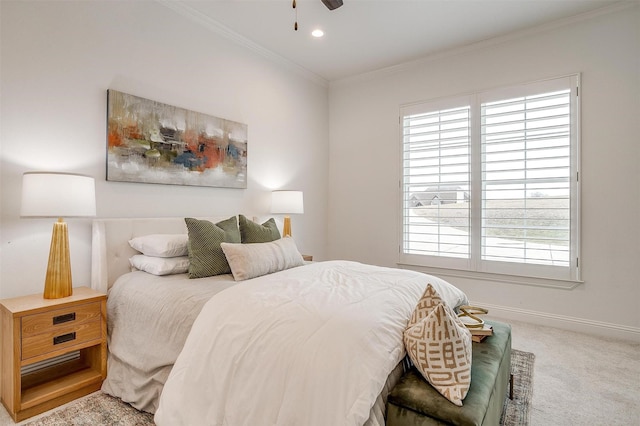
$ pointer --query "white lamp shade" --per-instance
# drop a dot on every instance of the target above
(49, 194)
(287, 202)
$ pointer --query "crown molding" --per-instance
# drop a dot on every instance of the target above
(224, 31)
(549, 26)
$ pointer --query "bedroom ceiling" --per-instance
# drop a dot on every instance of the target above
(365, 35)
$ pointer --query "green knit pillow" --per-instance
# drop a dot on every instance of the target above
(206, 257)
(252, 232)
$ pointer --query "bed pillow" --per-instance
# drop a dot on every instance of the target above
(253, 260)
(205, 254)
(160, 265)
(252, 232)
(161, 245)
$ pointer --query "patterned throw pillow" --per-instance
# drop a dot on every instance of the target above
(429, 300)
(439, 346)
(252, 232)
(206, 257)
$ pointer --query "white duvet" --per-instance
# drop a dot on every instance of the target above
(307, 346)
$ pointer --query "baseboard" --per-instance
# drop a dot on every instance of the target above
(599, 328)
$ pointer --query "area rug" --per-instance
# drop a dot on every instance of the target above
(102, 409)
(516, 411)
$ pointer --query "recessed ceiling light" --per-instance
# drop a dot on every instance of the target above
(317, 33)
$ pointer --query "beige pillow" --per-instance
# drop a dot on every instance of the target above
(429, 300)
(440, 348)
(256, 259)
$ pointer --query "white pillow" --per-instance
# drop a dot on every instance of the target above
(160, 265)
(161, 245)
(256, 259)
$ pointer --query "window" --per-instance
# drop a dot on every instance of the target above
(490, 181)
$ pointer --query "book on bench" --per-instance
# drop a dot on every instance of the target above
(478, 334)
(485, 330)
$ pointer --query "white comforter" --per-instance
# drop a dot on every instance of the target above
(308, 346)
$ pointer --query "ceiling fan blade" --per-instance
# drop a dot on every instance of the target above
(332, 4)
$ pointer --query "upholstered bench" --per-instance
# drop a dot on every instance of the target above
(414, 402)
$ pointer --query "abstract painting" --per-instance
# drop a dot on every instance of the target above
(152, 142)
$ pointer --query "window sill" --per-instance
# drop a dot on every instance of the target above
(484, 276)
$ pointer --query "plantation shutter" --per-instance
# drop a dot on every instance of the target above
(435, 180)
(490, 181)
(526, 179)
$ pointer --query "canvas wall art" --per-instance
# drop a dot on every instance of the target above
(152, 142)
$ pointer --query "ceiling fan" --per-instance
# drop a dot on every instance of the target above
(332, 4)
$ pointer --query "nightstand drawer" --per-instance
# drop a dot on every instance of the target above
(50, 322)
(60, 338)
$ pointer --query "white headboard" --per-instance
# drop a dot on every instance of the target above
(110, 250)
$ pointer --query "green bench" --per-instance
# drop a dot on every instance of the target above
(414, 402)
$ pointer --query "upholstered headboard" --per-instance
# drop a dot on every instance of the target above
(110, 250)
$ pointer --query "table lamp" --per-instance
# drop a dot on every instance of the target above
(50, 194)
(287, 202)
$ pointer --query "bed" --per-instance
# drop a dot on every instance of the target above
(315, 344)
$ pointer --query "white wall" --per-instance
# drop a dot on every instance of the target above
(364, 162)
(59, 59)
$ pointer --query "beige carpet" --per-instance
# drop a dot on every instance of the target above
(580, 379)
(577, 383)
(102, 409)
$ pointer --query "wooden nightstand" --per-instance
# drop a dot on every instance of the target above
(307, 257)
(35, 329)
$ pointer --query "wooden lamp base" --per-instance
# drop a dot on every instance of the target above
(58, 284)
(286, 231)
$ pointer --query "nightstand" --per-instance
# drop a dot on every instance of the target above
(307, 257)
(35, 330)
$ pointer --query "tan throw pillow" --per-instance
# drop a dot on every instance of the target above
(440, 347)
(429, 300)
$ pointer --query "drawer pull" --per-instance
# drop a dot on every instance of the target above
(64, 338)
(64, 318)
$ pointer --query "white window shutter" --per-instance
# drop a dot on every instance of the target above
(489, 181)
